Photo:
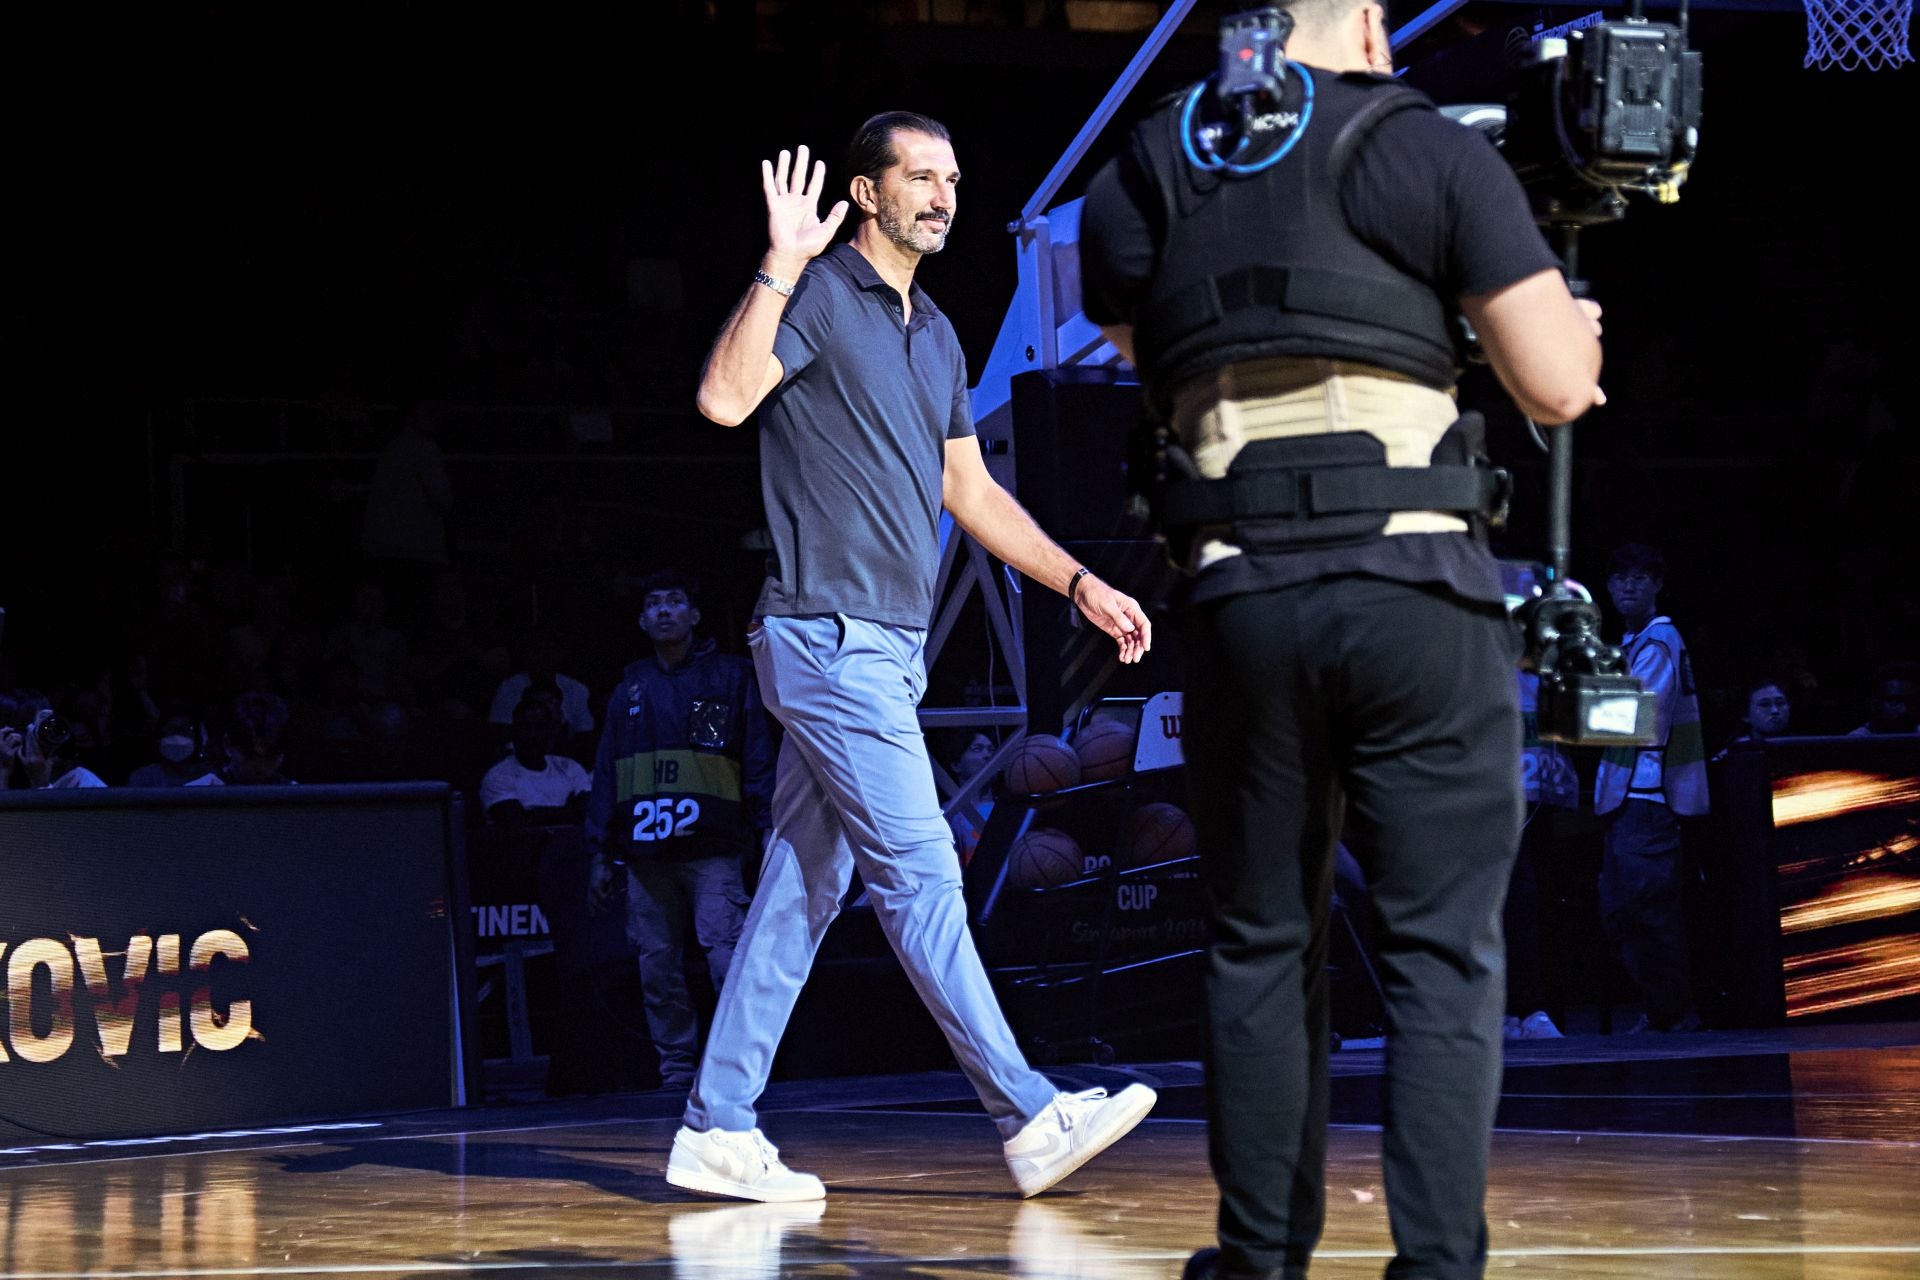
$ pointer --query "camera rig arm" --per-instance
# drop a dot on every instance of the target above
(1587, 695)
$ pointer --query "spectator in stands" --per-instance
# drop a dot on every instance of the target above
(543, 662)
(682, 796)
(340, 712)
(250, 645)
(532, 786)
(404, 535)
(377, 651)
(1641, 793)
(88, 711)
(1766, 713)
(181, 746)
(175, 654)
(1895, 704)
(295, 662)
(255, 744)
(975, 748)
(36, 746)
(458, 660)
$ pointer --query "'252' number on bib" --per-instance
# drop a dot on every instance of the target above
(663, 819)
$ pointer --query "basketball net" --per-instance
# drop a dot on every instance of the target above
(1856, 34)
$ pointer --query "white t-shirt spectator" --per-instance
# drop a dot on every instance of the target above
(548, 788)
(576, 705)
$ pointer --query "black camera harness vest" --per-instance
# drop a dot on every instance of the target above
(1305, 285)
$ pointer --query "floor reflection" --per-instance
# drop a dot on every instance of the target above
(1046, 1243)
(737, 1242)
(761, 1241)
(1759, 1167)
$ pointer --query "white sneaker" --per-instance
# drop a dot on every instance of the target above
(1538, 1026)
(723, 1162)
(1073, 1129)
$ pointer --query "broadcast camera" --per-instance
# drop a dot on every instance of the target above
(1593, 115)
(1598, 113)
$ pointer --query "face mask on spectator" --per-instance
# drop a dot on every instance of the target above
(176, 747)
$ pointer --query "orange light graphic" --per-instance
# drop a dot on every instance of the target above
(1862, 973)
(1809, 797)
(1865, 897)
(1896, 848)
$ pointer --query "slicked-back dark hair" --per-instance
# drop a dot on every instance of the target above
(871, 153)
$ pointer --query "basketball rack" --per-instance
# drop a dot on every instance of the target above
(1079, 984)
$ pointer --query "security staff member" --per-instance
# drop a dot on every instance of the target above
(682, 799)
(1349, 657)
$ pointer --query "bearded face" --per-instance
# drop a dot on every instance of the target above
(912, 225)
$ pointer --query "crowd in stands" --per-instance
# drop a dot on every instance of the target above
(275, 690)
(371, 687)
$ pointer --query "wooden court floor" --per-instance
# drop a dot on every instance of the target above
(1720, 1163)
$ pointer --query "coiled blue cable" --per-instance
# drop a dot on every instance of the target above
(1215, 164)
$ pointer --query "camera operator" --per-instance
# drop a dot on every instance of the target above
(1348, 644)
(38, 749)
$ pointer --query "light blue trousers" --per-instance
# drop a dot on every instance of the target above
(854, 789)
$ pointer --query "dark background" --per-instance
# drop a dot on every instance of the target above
(242, 234)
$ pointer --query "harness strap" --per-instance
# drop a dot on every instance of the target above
(1306, 493)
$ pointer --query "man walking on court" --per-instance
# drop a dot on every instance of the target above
(867, 432)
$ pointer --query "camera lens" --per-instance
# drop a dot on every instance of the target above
(54, 733)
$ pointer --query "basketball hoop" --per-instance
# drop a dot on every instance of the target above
(1857, 34)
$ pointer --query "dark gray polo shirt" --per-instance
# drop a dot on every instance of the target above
(853, 446)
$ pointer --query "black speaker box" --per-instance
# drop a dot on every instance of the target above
(1071, 662)
(1072, 430)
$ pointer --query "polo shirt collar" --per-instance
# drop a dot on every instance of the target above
(855, 264)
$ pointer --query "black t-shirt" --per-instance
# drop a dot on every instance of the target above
(1437, 200)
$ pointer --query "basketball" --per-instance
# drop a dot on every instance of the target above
(1043, 857)
(1105, 748)
(1157, 833)
(1041, 763)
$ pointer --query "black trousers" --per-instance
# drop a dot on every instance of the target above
(1642, 884)
(1394, 707)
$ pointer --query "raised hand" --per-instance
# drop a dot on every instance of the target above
(795, 229)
